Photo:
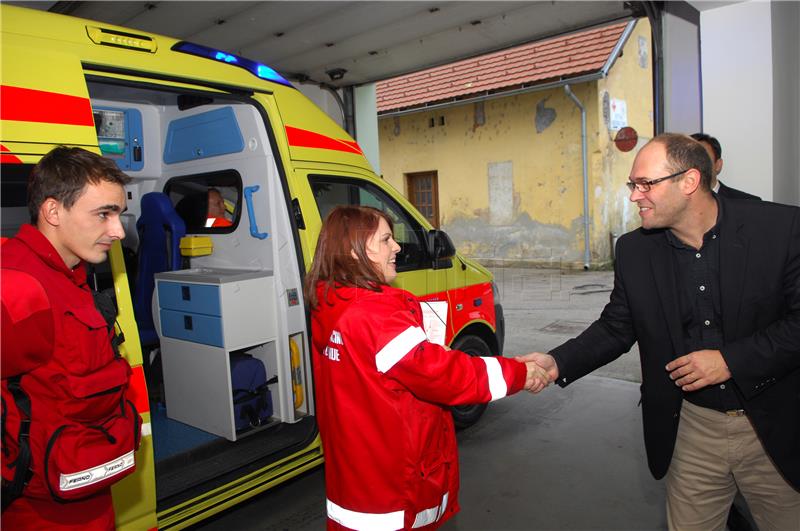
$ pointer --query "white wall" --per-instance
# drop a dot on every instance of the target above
(737, 73)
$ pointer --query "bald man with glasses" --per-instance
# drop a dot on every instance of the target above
(710, 289)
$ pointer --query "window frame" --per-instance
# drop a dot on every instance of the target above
(227, 178)
(356, 183)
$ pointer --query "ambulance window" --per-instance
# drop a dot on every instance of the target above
(332, 191)
(15, 185)
(14, 197)
(208, 202)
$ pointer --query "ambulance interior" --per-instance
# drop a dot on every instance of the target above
(229, 292)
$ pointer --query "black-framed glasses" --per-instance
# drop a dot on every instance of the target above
(645, 185)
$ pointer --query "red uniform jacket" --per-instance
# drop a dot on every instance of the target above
(52, 333)
(381, 388)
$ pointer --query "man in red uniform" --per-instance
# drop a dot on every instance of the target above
(55, 341)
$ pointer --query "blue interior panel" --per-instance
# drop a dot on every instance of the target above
(204, 135)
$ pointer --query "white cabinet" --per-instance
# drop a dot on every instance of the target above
(205, 314)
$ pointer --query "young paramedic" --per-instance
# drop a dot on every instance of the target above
(68, 431)
(390, 447)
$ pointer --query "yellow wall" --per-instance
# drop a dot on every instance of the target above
(534, 176)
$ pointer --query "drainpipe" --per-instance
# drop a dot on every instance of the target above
(585, 179)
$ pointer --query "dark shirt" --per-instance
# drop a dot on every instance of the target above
(700, 307)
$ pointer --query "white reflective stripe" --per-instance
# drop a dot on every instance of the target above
(497, 384)
(147, 429)
(434, 514)
(399, 347)
(95, 474)
(365, 521)
(210, 222)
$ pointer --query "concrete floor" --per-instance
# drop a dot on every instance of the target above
(566, 459)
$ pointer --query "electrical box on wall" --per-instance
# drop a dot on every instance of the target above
(119, 134)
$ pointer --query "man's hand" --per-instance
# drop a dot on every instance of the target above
(536, 379)
(698, 369)
(545, 361)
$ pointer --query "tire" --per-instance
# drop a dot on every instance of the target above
(466, 416)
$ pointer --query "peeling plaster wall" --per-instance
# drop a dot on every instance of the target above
(510, 170)
(630, 80)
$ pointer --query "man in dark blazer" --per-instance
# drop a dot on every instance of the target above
(714, 150)
(710, 288)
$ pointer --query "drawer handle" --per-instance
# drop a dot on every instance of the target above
(186, 293)
(187, 322)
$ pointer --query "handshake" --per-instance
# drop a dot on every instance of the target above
(542, 370)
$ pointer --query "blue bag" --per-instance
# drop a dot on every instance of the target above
(252, 400)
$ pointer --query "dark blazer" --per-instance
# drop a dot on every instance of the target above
(733, 193)
(760, 297)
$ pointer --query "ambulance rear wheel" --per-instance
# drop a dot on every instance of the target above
(466, 416)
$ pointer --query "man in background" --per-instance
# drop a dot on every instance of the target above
(714, 150)
(215, 216)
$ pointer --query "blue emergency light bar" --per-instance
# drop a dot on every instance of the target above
(257, 69)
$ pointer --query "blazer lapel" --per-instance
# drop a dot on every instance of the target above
(664, 279)
(732, 268)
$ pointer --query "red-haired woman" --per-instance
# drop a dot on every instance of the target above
(382, 388)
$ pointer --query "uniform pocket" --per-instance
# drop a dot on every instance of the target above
(82, 460)
(85, 340)
(95, 395)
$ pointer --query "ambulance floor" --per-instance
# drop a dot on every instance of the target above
(171, 437)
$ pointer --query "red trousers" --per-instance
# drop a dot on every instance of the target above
(94, 514)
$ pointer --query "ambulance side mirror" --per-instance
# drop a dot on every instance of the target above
(441, 249)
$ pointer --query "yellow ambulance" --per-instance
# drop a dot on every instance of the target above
(197, 292)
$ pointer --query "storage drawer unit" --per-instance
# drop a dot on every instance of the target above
(227, 308)
(205, 314)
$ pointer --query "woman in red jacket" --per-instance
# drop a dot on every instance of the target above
(382, 388)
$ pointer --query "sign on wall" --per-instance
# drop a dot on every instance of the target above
(618, 114)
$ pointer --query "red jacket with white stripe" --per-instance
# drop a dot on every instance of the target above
(381, 388)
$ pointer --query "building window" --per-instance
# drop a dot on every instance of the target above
(423, 192)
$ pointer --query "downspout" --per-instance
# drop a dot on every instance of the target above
(586, 255)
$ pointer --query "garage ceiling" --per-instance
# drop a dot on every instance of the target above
(369, 40)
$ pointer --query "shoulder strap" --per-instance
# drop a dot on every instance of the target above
(22, 473)
(106, 303)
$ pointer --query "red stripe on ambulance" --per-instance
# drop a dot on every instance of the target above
(28, 105)
(6, 157)
(137, 391)
(304, 138)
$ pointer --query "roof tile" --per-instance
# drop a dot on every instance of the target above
(536, 62)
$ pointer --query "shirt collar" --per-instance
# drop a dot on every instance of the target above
(41, 246)
(712, 234)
